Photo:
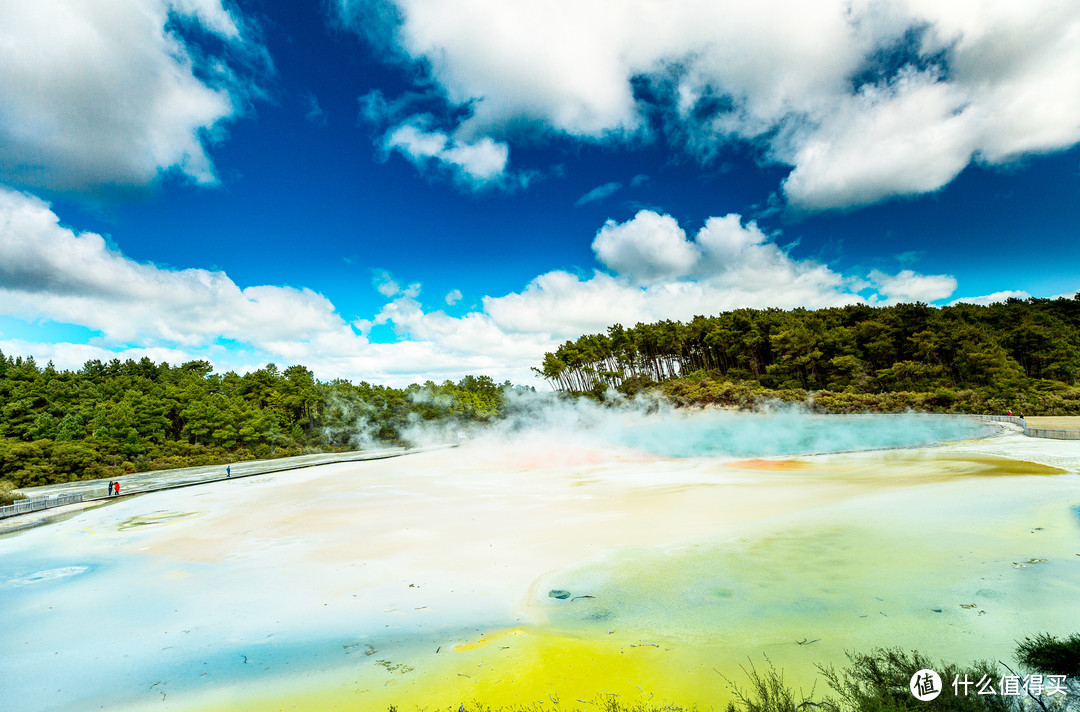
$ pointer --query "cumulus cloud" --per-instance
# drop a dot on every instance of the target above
(48, 271)
(453, 297)
(649, 247)
(652, 249)
(1019, 64)
(906, 139)
(658, 272)
(864, 100)
(909, 286)
(108, 93)
(727, 264)
(653, 270)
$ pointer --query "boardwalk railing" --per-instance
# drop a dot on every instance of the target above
(1031, 432)
(145, 482)
(1055, 434)
(1000, 419)
(35, 504)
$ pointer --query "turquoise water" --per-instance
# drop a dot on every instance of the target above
(718, 434)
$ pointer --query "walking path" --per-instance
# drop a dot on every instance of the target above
(142, 482)
(1054, 428)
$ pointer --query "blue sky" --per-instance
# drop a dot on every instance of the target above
(399, 190)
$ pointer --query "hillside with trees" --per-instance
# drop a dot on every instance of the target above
(107, 419)
(110, 418)
(1021, 355)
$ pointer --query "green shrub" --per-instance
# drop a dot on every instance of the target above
(879, 682)
(1046, 654)
(767, 692)
(7, 495)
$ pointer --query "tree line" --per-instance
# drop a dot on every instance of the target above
(973, 356)
(108, 418)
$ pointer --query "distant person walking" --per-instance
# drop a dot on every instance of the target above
(108, 493)
(116, 488)
(228, 471)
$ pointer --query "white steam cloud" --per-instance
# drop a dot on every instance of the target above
(547, 426)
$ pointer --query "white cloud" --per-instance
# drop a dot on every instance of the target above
(453, 297)
(68, 356)
(565, 306)
(1020, 65)
(982, 81)
(649, 247)
(910, 138)
(50, 272)
(211, 14)
(480, 163)
(599, 193)
(105, 93)
(385, 283)
(994, 298)
(726, 266)
(909, 286)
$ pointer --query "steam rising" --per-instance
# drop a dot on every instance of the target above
(650, 425)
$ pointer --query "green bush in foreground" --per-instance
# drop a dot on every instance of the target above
(879, 682)
(767, 693)
(1048, 655)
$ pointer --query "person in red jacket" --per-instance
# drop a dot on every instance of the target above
(116, 488)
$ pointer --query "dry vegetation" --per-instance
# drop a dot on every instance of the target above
(1065, 422)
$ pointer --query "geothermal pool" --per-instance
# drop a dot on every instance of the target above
(646, 556)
